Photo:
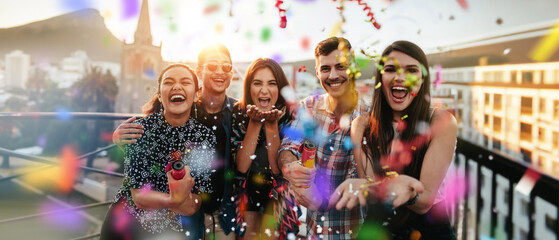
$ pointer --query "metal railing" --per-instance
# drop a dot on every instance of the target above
(496, 205)
(7, 154)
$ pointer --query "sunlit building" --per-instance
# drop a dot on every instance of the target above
(73, 69)
(502, 99)
(17, 69)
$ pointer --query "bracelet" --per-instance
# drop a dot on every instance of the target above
(413, 200)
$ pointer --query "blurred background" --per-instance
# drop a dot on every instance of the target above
(71, 70)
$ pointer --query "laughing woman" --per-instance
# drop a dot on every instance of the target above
(257, 123)
(403, 136)
(150, 201)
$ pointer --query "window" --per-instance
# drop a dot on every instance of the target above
(525, 132)
(542, 76)
(496, 144)
(485, 141)
(556, 109)
(555, 139)
(499, 76)
(487, 99)
(459, 115)
(513, 79)
(498, 101)
(542, 105)
(527, 77)
(526, 105)
(541, 134)
(497, 124)
(459, 96)
(526, 155)
(486, 120)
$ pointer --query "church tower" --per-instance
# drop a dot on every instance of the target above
(141, 63)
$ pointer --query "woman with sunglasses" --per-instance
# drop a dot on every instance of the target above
(257, 122)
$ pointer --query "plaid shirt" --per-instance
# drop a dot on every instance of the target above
(334, 163)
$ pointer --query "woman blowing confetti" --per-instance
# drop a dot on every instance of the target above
(150, 201)
(257, 122)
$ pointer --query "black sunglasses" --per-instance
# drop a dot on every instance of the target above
(212, 66)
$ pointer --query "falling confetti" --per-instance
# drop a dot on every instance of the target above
(211, 8)
(506, 51)
(62, 217)
(265, 34)
(528, 181)
(463, 4)
(130, 8)
(63, 114)
(378, 85)
(439, 76)
(305, 43)
(73, 5)
(283, 18)
(546, 46)
(302, 69)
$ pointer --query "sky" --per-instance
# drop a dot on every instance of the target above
(250, 28)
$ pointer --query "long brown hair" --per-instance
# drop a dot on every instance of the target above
(379, 132)
(154, 105)
(278, 73)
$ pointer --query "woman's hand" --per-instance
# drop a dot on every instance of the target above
(254, 113)
(401, 189)
(349, 194)
(181, 199)
(127, 132)
(273, 116)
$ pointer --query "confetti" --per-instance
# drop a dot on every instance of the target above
(302, 69)
(463, 4)
(546, 46)
(265, 34)
(130, 8)
(378, 85)
(439, 76)
(527, 182)
(305, 43)
(283, 18)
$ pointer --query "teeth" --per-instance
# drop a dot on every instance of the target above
(177, 97)
(335, 84)
(399, 88)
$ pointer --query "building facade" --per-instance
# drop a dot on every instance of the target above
(140, 66)
(17, 69)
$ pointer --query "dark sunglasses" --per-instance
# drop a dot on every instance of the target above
(226, 67)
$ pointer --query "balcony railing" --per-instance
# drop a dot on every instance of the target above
(496, 205)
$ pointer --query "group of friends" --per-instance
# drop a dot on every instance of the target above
(244, 178)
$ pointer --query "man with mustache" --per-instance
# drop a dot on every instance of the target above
(331, 112)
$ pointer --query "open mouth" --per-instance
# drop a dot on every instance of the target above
(399, 94)
(177, 98)
(264, 102)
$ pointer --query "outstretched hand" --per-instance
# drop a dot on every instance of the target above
(256, 114)
(349, 194)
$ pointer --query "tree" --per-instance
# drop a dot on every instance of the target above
(96, 92)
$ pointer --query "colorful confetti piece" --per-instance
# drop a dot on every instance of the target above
(546, 46)
(130, 8)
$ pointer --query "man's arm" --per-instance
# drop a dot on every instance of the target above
(127, 132)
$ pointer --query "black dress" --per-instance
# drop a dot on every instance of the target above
(144, 168)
